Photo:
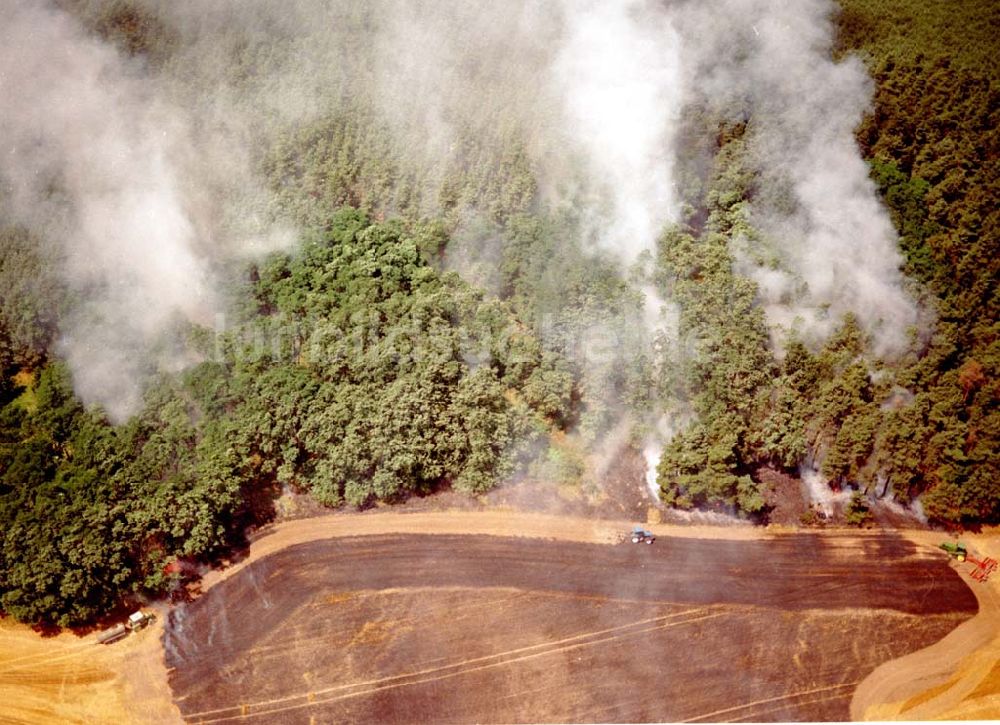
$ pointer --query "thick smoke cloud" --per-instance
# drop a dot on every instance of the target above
(100, 163)
(829, 245)
(619, 71)
(140, 172)
(89, 162)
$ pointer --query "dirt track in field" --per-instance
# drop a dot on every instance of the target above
(404, 628)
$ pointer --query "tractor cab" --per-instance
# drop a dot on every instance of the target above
(956, 551)
(640, 535)
(138, 620)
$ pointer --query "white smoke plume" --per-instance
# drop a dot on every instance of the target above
(618, 73)
(98, 161)
(835, 246)
(618, 69)
(134, 169)
(78, 122)
(828, 245)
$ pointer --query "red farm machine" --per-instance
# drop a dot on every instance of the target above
(982, 568)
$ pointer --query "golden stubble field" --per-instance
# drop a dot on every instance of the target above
(74, 679)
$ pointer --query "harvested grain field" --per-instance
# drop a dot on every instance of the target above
(73, 679)
(404, 628)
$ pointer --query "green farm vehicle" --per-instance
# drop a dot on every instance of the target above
(982, 566)
(956, 550)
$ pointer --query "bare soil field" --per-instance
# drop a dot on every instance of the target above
(71, 679)
(450, 628)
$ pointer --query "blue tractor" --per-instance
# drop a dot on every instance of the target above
(640, 535)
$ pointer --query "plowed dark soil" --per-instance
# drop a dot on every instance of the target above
(490, 629)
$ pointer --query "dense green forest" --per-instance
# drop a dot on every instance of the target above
(933, 142)
(357, 368)
(356, 371)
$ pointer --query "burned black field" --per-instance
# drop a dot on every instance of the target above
(490, 629)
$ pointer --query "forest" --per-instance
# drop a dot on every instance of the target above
(392, 352)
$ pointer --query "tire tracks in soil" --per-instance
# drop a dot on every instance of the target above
(714, 715)
(459, 668)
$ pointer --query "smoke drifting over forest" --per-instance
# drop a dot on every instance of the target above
(102, 164)
(831, 246)
(142, 173)
(619, 68)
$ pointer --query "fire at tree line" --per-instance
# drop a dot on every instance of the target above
(392, 376)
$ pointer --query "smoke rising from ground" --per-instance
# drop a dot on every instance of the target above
(88, 163)
(139, 170)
